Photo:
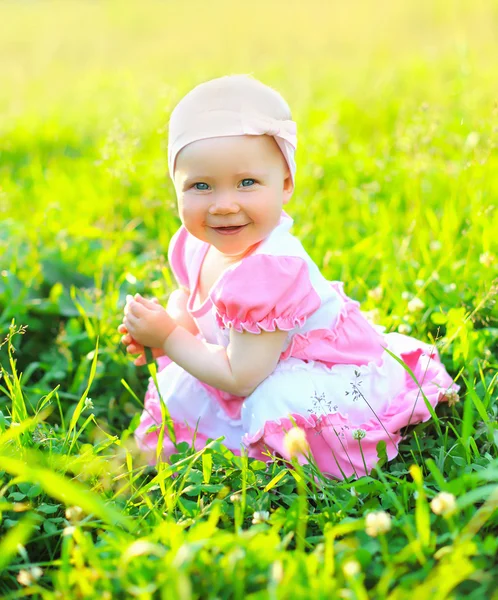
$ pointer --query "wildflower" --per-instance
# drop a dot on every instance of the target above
(404, 328)
(472, 140)
(419, 283)
(377, 523)
(260, 516)
(435, 245)
(487, 259)
(68, 530)
(452, 397)
(235, 498)
(88, 404)
(27, 577)
(443, 504)
(24, 577)
(73, 513)
(359, 434)
(415, 305)
(376, 293)
(351, 568)
(295, 442)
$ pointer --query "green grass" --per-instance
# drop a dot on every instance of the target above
(396, 193)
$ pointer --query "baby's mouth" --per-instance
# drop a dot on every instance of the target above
(230, 230)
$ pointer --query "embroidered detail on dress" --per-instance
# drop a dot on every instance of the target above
(356, 387)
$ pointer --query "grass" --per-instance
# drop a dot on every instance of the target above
(396, 185)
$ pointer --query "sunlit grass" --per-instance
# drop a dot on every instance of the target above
(397, 116)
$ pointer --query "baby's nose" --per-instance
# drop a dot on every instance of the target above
(224, 204)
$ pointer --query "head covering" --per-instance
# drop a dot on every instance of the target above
(232, 105)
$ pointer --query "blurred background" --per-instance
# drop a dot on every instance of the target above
(397, 114)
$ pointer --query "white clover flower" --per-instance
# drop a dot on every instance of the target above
(406, 295)
(351, 568)
(235, 498)
(487, 259)
(73, 513)
(27, 577)
(452, 397)
(404, 328)
(88, 404)
(295, 442)
(376, 293)
(24, 577)
(377, 523)
(415, 304)
(443, 504)
(260, 516)
(359, 434)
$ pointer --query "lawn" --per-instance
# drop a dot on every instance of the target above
(397, 180)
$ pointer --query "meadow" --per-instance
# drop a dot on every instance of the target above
(397, 113)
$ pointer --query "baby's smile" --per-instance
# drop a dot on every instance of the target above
(229, 229)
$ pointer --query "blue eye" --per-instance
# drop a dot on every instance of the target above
(247, 180)
(200, 183)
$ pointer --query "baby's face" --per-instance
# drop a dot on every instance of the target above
(231, 190)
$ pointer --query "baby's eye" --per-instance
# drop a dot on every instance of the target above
(201, 188)
(244, 180)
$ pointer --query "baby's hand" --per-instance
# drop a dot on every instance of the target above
(133, 347)
(147, 322)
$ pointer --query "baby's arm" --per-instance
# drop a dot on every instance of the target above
(238, 369)
(177, 309)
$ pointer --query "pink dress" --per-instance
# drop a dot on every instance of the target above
(334, 376)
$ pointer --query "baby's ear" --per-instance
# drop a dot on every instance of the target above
(288, 188)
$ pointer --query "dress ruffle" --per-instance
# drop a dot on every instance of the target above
(265, 293)
(352, 339)
(333, 438)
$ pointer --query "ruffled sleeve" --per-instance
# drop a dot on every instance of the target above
(265, 292)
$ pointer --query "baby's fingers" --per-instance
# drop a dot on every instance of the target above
(140, 361)
(122, 329)
(134, 348)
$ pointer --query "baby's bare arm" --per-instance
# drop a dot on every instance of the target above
(177, 309)
(238, 369)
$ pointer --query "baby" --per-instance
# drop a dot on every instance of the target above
(255, 340)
